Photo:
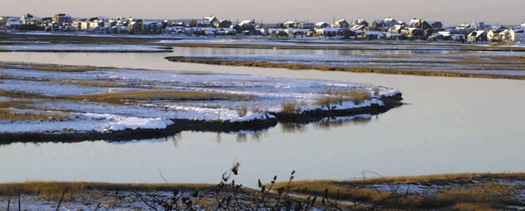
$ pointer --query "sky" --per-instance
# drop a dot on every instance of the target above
(450, 12)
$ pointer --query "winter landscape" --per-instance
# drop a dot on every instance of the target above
(211, 113)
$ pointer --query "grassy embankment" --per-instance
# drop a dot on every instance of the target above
(459, 191)
(215, 61)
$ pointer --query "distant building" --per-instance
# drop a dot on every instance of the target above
(480, 25)
(62, 19)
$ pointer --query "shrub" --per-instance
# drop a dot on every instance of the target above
(242, 111)
(289, 108)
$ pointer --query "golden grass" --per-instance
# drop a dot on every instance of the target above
(289, 107)
(52, 190)
(242, 110)
(9, 115)
(121, 97)
(129, 97)
(441, 177)
(357, 96)
(482, 196)
(472, 207)
(6, 115)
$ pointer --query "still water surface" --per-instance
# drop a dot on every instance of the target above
(450, 125)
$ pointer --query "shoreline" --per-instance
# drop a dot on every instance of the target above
(180, 125)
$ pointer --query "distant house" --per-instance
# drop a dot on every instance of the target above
(394, 36)
(458, 37)
(387, 23)
(512, 35)
(330, 32)
(419, 23)
(340, 24)
(371, 35)
(13, 23)
(412, 32)
(480, 25)
(320, 25)
(246, 27)
(223, 23)
(3, 22)
(62, 19)
(212, 19)
(361, 22)
(477, 36)
(290, 24)
(395, 28)
(200, 23)
(152, 27)
(136, 26)
(305, 25)
(436, 25)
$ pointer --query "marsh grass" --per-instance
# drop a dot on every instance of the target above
(469, 196)
(131, 97)
(290, 108)
(51, 67)
(357, 96)
(6, 115)
(256, 109)
(121, 97)
(242, 111)
(31, 115)
(51, 190)
(355, 69)
(441, 177)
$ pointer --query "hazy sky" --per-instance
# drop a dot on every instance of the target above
(450, 12)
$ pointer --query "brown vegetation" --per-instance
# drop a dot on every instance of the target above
(470, 196)
(356, 69)
(123, 97)
(52, 190)
(356, 95)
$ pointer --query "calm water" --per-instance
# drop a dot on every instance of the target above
(449, 125)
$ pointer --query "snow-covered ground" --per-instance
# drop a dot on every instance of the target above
(260, 95)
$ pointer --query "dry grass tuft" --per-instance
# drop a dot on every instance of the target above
(256, 109)
(289, 108)
(242, 111)
(357, 96)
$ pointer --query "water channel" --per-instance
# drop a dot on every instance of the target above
(449, 125)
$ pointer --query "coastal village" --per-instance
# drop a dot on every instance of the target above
(361, 29)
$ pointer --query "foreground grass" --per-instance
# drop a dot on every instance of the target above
(52, 190)
(340, 195)
(470, 196)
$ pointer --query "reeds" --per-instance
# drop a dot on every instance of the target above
(290, 107)
(356, 95)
